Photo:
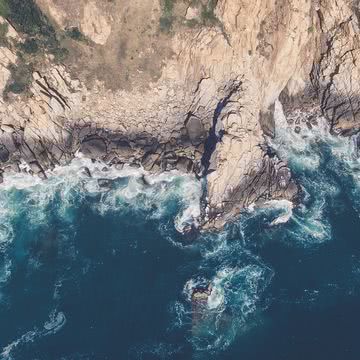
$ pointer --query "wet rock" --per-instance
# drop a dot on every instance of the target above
(135, 165)
(7, 140)
(201, 294)
(57, 153)
(119, 166)
(121, 147)
(42, 175)
(86, 171)
(12, 167)
(84, 132)
(93, 147)
(184, 164)
(156, 168)
(105, 183)
(4, 154)
(36, 169)
(284, 176)
(149, 160)
(144, 181)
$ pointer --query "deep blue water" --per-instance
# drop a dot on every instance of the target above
(91, 273)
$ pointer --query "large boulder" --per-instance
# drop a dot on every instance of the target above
(195, 130)
(93, 147)
(4, 154)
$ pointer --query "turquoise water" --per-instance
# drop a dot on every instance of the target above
(102, 273)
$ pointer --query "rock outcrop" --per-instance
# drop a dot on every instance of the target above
(190, 86)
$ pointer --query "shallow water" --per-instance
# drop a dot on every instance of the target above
(102, 273)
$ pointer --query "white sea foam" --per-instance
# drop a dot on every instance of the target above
(133, 187)
(30, 199)
(6, 271)
(304, 153)
(55, 323)
(6, 353)
(235, 295)
(285, 207)
(300, 149)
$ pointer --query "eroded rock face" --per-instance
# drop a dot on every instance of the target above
(199, 98)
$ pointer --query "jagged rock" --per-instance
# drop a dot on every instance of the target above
(93, 147)
(105, 183)
(37, 170)
(122, 146)
(149, 160)
(7, 128)
(184, 164)
(4, 154)
(86, 171)
(267, 121)
(12, 167)
(195, 130)
(224, 84)
(135, 165)
(119, 166)
(42, 175)
(7, 140)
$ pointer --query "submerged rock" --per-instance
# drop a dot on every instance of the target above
(105, 183)
(86, 171)
(199, 301)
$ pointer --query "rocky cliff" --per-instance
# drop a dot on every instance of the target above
(186, 84)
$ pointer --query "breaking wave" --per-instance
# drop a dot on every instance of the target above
(37, 218)
(226, 265)
(325, 166)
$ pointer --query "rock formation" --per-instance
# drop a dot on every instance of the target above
(181, 84)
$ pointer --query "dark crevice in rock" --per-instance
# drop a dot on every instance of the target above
(334, 104)
(321, 19)
(199, 83)
(59, 97)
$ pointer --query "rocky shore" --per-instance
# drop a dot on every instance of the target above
(197, 95)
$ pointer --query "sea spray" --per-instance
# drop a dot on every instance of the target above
(103, 244)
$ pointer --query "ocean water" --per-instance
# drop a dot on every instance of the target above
(90, 272)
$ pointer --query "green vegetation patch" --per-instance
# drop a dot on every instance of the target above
(75, 34)
(27, 18)
(311, 29)
(206, 18)
(39, 36)
(4, 8)
(3, 32)
(21, 78)
(167, 18)
(208, 13)
(30, 46)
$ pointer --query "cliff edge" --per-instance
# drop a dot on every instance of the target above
(185, 84)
